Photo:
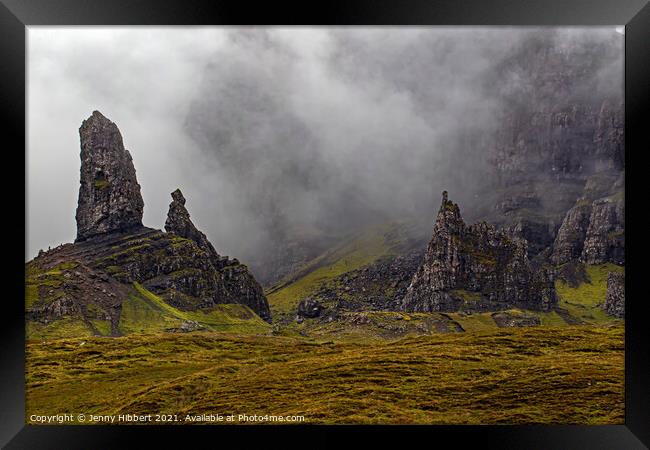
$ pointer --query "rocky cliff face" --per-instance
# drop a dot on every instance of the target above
(109, 193)
(569, 242)
(561, 131)
(605, 237)
(475, 268)
(90, 279)
(560, 122)
(592, 232)
(615, 300)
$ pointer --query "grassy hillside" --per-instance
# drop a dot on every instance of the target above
(355, 252)
(583, 303)
(522, 375)
(145, 312)
(576, 305)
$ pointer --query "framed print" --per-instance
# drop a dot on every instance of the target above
(392, 221)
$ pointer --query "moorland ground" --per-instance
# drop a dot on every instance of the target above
(570, 374)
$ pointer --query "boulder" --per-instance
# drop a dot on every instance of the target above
(309, 307)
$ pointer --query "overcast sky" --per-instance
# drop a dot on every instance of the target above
(264, 129)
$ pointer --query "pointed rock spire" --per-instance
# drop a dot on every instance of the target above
(179, 222)
(475, 267)
(109, 193)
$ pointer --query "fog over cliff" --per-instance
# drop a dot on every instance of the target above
(277, 132)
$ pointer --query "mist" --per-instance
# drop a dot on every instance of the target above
(273, 133)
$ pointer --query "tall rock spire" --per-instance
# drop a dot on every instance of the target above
(109, 193)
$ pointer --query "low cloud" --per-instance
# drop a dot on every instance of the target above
(273, 131)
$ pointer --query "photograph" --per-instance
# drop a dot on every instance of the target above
(359, 225)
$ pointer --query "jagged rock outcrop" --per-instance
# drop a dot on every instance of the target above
(570, 238)
(592, 232)
(379, 286)
(476, 268)
(615, 300)
(605, 237)
(179, 222)
(219, 278)
(552, 138)
(90, 280)
(109, 193)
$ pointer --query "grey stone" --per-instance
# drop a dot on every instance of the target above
(615, 300)
(480, 262)
(109, 193)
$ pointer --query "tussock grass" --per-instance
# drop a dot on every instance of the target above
(570, 374)
(475, 321)
(67, 327)
(370, 326)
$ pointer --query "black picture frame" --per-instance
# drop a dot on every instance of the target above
(16, 15)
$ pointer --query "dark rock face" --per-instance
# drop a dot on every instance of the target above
(476, 267)
(559, 128)
(615, 300)
(179, 222)
(221, 279)
(539, 235)
(309, 307)
(570, 238)
(532, 144)
(593, 232)
(605, 237)
(573, 273)
(109, 193)
(379, 286)
(609, 135)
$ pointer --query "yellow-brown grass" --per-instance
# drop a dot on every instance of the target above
(571, 374)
